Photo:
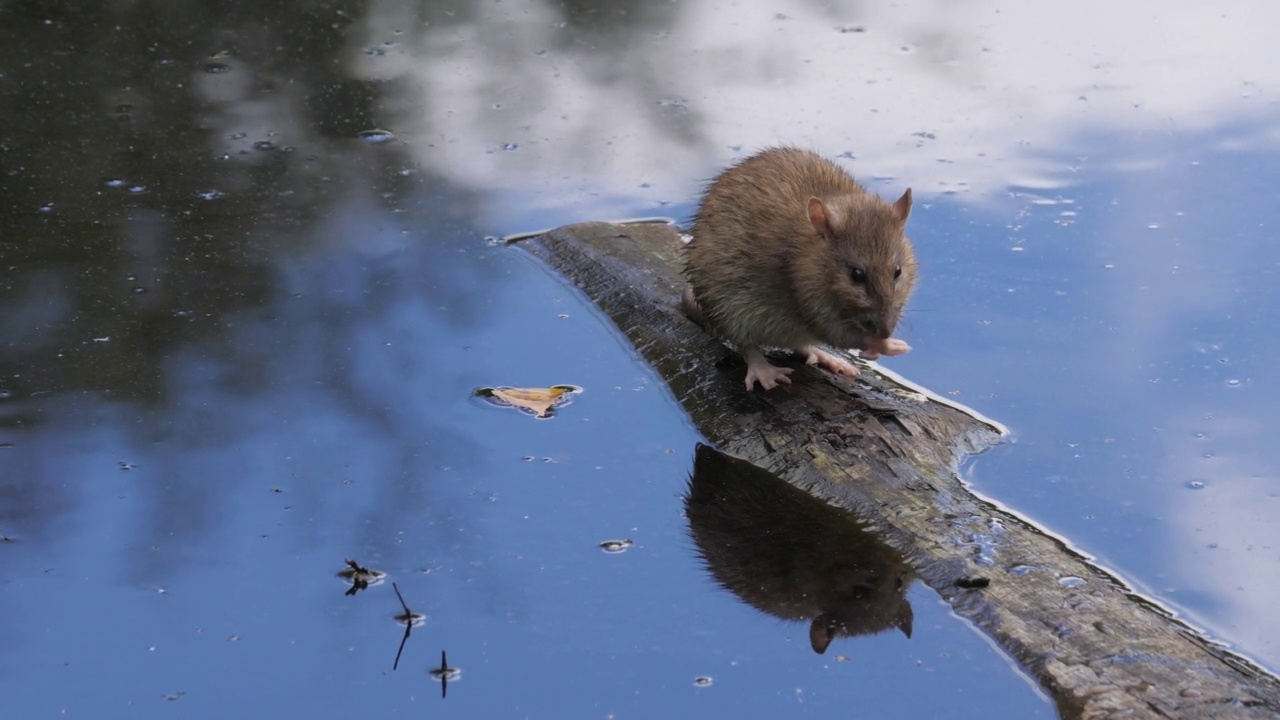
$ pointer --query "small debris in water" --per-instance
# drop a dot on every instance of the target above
(445, 674)
(616, 546)
(361, 578)
(376, 136)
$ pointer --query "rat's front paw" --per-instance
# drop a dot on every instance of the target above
(825, 360)
(888, 346)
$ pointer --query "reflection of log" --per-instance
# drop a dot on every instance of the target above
(890, 455)
(792, 555)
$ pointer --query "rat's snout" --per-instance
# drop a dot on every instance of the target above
(886, 323)
(868, 326)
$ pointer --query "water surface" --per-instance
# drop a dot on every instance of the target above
(247, 293)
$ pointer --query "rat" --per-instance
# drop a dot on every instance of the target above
(789, 251)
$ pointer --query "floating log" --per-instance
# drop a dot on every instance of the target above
(889, 453)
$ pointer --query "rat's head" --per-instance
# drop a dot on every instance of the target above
(872, 603)
(856, 279)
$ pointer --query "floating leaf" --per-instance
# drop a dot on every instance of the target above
(539, 402)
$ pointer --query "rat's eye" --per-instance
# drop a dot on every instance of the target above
(858, 275)
(897, 272)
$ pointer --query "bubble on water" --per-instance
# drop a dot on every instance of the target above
(1201, 434)
(1196, 485)
(377, 52)
(288, 149)
(1153, 226)
(1233, 383)
(5, 394)
(215, 68)
(46, 208)
(237, 136)
(510, 147)
(264, 145)
(702, 681)
(138, 189)
(209, 194)
(114, 182)
(376, 136)
(139, 290)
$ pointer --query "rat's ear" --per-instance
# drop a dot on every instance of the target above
(821, 217)
(902, 208)
(906, 618)
(820, 634)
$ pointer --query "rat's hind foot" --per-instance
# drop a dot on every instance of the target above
(759, 369)
(815, 355)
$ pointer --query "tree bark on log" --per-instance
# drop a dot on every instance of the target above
(890, 454)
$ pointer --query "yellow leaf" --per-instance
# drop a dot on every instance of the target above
(540, 402)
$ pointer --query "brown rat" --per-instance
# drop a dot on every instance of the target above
(789, 251)
(792, 555)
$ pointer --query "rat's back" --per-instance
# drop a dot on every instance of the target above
(748, 224)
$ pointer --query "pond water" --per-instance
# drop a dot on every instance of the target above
(248, 287)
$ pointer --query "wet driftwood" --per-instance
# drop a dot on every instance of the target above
(890, 455)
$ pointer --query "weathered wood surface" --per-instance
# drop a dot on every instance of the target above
(891, 456)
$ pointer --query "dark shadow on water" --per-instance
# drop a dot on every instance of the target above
(791, 555)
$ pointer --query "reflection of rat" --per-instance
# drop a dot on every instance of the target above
(789, 251)
(791, 555)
